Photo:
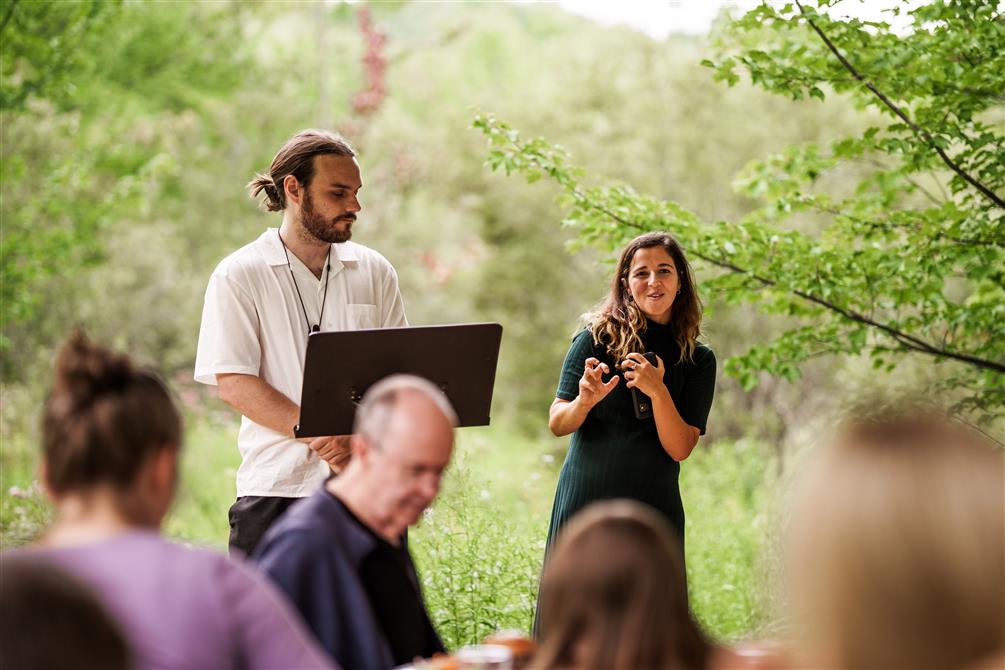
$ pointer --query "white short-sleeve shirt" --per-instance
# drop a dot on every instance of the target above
(253, 323)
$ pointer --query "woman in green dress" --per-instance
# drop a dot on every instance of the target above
(653, 306)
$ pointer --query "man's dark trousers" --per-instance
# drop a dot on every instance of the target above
(250, 517)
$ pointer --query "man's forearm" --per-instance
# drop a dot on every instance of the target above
(259, 401)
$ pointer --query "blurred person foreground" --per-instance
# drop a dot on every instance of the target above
(112, 434)
(896, 551)
(613, 595)
(49, 619)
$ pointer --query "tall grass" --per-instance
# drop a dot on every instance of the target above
(479, 549)
(731, 502)
(479, 566)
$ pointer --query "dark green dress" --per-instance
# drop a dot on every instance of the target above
(614, 454)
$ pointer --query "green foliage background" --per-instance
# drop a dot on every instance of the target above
(127, 133)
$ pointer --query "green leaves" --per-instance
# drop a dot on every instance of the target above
(912, 261)
(40, 43)
(92, 96)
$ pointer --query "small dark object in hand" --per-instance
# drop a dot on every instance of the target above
(641, 403)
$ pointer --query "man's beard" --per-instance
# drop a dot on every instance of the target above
(319, 227)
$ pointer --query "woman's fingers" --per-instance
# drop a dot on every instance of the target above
(635, 376)
(594, 369)
(592, 382)
(634, 360)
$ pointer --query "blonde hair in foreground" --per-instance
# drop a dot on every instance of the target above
(613, 595)
(896, 550)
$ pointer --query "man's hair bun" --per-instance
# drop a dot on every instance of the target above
(275, 199)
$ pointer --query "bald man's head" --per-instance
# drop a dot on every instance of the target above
(403, 441)
(378, 406)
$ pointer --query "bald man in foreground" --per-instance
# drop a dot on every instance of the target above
(340, 555)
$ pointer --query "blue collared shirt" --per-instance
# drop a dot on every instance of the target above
(314, 553)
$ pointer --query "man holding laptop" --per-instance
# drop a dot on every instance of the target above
(262, 303)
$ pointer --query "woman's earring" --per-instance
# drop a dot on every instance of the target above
(678, 291)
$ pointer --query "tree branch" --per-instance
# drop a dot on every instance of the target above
(916, 184)
(924, 134)
(906, 340)
(873, 162)
(974, 92)
(886, 225)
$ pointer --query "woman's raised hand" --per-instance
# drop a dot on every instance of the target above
(643, 375)
(592, 388)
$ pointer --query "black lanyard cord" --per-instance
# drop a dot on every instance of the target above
(324, 299)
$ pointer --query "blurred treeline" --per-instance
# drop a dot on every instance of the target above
(129, 130)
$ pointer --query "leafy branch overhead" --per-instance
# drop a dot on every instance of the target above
(912, 261)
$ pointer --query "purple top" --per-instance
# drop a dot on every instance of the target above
(189, 608)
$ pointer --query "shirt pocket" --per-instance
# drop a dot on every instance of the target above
(362, 316)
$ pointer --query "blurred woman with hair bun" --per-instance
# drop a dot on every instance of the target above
(111, 439)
